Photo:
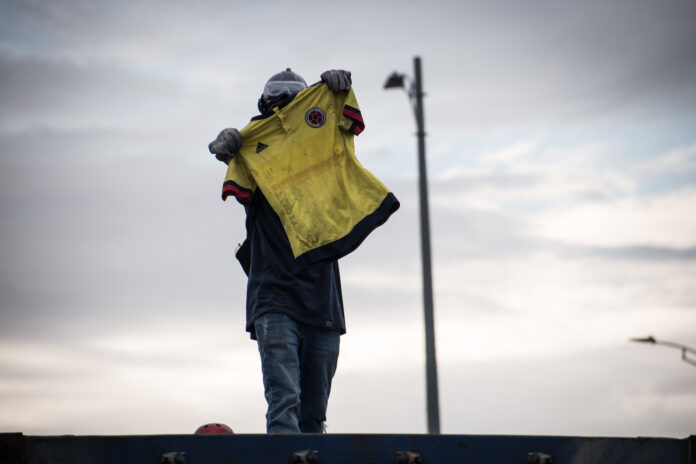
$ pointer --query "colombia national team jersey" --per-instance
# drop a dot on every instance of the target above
(302, 158)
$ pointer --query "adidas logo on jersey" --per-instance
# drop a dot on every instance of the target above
(261, 147)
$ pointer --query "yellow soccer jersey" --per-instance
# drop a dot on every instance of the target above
(302, 158)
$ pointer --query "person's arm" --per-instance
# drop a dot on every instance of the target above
(238, 181)
(351, 117)
(339, 80)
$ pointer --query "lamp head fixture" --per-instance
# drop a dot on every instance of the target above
(395, 81)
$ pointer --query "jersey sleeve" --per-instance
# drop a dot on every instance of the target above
(238, 182)
(351, 118)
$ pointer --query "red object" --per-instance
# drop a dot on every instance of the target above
(219, 429)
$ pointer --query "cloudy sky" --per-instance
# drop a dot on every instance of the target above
(562, 171)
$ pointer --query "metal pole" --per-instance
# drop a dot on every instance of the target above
(683, 348)
(430, 358)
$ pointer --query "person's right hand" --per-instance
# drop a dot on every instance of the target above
(226, 146)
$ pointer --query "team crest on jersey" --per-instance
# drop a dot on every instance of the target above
(315, 117)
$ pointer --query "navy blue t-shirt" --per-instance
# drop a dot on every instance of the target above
(276, 284)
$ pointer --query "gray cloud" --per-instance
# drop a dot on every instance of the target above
(499, 62)
(45, 92)
(541, 62)
(90, 233)
(111, 223)
(604, 384)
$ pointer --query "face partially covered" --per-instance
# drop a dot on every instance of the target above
(280, 87)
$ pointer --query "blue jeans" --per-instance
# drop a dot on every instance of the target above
(298, 362)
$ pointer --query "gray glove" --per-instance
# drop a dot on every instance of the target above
(226, 145)
(338, 80)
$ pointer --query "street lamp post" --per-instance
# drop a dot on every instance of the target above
(415, 94)
(683, 348)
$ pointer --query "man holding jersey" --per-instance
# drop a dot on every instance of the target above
(308, 202)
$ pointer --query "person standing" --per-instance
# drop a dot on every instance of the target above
(287, 167)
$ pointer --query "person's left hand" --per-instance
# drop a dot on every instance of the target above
(338, 80)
